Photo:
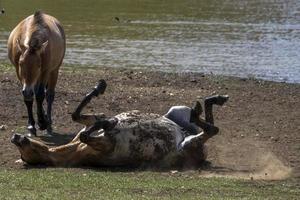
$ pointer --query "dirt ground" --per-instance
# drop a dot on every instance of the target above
(259, 126)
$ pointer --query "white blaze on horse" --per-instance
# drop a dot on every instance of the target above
(36, 47)
(130, 138)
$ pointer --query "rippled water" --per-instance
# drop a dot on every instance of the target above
(245, 38)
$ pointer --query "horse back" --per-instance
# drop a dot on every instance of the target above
(50, 30)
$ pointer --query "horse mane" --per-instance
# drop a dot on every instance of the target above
(38, 18)
(38, 29)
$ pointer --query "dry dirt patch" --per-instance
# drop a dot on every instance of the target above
(259, 135)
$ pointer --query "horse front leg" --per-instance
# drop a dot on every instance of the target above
(28, 99)
(40, 96)
(89, 120)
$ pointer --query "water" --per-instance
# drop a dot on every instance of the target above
(244, 38)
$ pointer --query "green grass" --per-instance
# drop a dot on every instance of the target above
(5, 66)
(90, 184)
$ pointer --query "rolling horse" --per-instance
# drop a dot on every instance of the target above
(36, 47)
(176, 139)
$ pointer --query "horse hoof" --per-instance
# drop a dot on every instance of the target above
(222, 99)
(218, 99)
(32, 130)
(43, 125)
(100, 88)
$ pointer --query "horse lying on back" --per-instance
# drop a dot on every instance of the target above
(130, 138)
(36, 48)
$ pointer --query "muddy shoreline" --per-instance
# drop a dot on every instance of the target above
(259, 125)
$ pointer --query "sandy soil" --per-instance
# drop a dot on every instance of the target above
(260, 126)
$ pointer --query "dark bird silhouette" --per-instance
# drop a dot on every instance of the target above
(117, 18)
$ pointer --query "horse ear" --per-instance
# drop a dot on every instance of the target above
(44, 45)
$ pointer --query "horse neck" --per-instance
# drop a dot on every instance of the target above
(71, 154)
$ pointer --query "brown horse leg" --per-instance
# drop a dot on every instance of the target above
(31, 121)
(50, 93)
(28, 99)
(40, 96)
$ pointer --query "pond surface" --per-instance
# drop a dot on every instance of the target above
(244, 38)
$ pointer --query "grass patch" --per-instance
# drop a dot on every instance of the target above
(6, 67)
(76, 184)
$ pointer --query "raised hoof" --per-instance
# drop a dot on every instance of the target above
(218, 99)
(19, 140)
(100, 88)
(32, 130)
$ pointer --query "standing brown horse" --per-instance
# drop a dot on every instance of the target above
(36, 47)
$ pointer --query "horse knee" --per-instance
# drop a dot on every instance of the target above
(27, 94)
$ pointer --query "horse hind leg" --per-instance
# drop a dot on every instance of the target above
(194, 150)
(50, 94)
(208, 124)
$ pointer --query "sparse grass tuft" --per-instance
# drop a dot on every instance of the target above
(5, 67)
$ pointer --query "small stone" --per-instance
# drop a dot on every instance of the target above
(3, 127)
(20, 161)
(171, 94)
